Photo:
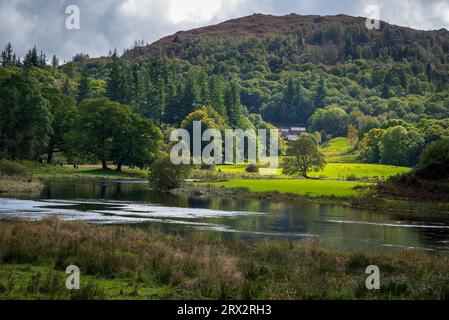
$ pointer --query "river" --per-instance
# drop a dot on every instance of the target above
(134, 203)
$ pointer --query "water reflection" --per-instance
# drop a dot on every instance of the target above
(331, 225)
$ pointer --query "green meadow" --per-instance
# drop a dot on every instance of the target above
(341, 165)
(358, 171)
(312, 188)
(335, 171)
(338, 150)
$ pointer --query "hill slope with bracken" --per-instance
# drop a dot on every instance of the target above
(328, 39)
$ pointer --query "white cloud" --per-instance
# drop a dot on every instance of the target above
(199, 10)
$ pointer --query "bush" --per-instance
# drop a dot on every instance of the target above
(165, 175)
(10, 168)
(252, 168)
(434, 161)
(207, 167)
(351, 177)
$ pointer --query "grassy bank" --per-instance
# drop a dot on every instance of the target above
(16, 180)
(312, 188)
(51, 171)
(131, 263)
(367, 198)
(13, 186)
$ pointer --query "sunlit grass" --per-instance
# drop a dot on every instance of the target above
(358, 171)
(313, 188)
(338, 150)
(333, 171)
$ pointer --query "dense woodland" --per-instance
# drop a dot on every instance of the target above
(386, 90)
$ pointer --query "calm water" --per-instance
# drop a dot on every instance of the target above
(134, 203)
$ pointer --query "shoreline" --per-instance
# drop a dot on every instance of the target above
(367, 202)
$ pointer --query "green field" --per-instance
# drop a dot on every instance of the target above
(338, 150)
(358, 171)
(312, 188)
(336, 171)
(341, 165)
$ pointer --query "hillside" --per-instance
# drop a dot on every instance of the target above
(320, 33)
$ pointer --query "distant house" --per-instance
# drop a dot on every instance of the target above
(292, 137)
(292, 134)
(298, 130)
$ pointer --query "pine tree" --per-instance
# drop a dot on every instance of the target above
(5, 61)
(158, 102)
(84, 88)
(7, 56)
(233, 105)
(321, 94)
(190, 98)
(42, 60)
(216, 95)
(125, 87)
(55, 62)
(172, 107)
(136, 88)
(113, 84)
(31, 58)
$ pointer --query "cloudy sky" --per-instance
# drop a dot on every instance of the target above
(106, 24)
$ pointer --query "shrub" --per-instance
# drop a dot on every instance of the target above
(207, 167)
(252, 168)
(164, 175)
(351, 177)
(434, 161)
(10, 168)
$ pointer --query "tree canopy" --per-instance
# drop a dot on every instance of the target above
(302, 157)
(109, 131)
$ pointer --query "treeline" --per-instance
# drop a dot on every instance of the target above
(239, 81)
(32, 59)
(38, 120)
(166, 91)
(46, 110)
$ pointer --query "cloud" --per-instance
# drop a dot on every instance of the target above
(109, 24)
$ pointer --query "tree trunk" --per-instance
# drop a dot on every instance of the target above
(304, 173)
(104, 164)
(50, 156)
(119, 167)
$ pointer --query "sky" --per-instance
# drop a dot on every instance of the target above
(109, 24)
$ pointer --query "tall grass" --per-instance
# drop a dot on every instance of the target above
(188, 267)
(15, 179)
(13, 169)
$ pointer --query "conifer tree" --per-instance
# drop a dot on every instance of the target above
(233, 105)
(84, 87)
(8, 56)
(31, 58)
(113, 84)
(55, 62)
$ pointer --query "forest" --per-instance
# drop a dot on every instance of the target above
(390, 97)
